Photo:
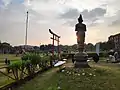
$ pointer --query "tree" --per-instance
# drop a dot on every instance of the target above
(105, 46)
(74, 47)
(89, 47)
(36, 48)
(42, 47)
(5, 47)
(110, 45)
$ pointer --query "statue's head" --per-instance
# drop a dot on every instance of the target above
(80, 20)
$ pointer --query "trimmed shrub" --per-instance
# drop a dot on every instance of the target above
(14, 67)
(29, 62)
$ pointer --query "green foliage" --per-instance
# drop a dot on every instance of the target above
(30, 61)
(19, 64)
(107, 45)
(26, 56)
(35, 59)
(64, 55)
(52, 88)
(45, 58)
(44, 61)
(26, 63)
(55, 57)
(102, 54)
(15, 65)
(29, 64)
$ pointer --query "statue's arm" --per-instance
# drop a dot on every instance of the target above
(75, 27)
(85, 27)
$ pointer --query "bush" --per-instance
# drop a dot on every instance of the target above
(35, 59)
(26, 56)
(16, 64)
(14, 67)
(29, 62)
(45, 61)
(65, 56)
(55, 57)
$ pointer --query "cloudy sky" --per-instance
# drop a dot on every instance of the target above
(102, 18)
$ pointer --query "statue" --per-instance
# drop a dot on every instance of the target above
(80, 28)
(81, 57)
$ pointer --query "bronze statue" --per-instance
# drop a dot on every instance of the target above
(81, 57)
(80, 28)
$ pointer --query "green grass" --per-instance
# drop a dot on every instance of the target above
(102, 76)
(4, 80)
(9, 56)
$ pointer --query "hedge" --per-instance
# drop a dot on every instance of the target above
(30, 62)
(100, 54)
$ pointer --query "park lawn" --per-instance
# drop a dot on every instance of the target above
(101, 76)
(4, 80)
(12, 57)
(9, 56)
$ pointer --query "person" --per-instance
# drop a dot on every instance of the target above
(111, 52)
(111, 56)
(116, 56)
(6, 61)
(73, 58)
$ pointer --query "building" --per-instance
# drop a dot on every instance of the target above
(116, 40)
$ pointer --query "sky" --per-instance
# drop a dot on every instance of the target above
(102, 18)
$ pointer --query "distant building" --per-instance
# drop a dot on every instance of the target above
(116, 40)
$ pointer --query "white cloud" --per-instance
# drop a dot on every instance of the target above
(44, 14)
(6, 2)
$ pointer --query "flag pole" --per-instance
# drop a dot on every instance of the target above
(26, 35)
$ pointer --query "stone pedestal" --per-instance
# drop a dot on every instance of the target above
(81, 60)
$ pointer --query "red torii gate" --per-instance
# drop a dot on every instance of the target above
(55, 37)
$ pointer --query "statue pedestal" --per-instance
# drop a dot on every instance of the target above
(81, 60)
